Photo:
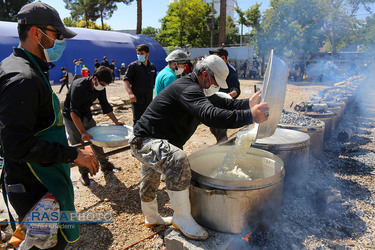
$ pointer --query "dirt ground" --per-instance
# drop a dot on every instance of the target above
(118, 192)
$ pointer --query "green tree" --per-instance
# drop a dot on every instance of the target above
(185, 23)
(232, 37)
(250, 18)
(366, 35)
(292, 27)
(150, 31)
(10, 8)
(91, 10)
(82, 9)
(339, 22)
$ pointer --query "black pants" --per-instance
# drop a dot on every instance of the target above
(65, 83)
(139, 107)
(23, 202)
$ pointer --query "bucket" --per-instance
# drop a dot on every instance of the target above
(327, 118)
(235, 206)
(316, 134)
(293, 149)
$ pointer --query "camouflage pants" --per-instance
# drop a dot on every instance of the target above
(159, 157)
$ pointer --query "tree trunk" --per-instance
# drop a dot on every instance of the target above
(222, 22)
(87, 20)
(101, 19)
(139, 16)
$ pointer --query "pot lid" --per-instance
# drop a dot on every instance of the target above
(274, 90)
(284, 137)
(110, 135)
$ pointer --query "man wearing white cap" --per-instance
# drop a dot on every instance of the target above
(168, 122)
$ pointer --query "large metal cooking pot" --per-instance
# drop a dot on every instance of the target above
(327, 118)
(234, 206)
(316, 134)
(293, 148)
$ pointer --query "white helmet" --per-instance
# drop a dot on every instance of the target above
(178, 56)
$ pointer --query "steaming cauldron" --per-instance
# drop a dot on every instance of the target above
(233, 206)
(316, 134)
(327, 118)
(293, 148)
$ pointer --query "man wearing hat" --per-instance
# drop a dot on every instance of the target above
(233, 89)
(168, 122)
(232, 80)
(176, 64)
(37, 158)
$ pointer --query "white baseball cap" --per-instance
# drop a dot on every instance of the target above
(219, 68)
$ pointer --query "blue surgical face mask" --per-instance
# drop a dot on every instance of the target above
(141, 58)
(53, 54)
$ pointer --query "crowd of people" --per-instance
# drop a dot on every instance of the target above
(37, 155)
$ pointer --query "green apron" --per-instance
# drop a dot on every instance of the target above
(56, 177)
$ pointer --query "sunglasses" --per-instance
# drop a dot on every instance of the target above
(59, 35)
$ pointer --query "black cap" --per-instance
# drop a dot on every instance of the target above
(63, 68)
(220, 51)
(38, 13)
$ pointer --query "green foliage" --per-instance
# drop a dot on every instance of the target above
(150, 31)
(68, 21)
(292, 27)
(232, 36)
(92, 25)
(10, 8)
(91, 10)
(185, 23)
(366, 35)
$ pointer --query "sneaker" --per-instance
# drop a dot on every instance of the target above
(85, 180)
(108, 167)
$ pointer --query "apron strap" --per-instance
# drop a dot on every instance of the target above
(12, 222)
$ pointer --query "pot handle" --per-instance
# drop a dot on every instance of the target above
(212, 191)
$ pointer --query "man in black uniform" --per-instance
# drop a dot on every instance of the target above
(169, 121)
(233, 89)
(78, 117)
(139, 81)
(232, 80)
(97, 64)
(37, 158)
(105, 62)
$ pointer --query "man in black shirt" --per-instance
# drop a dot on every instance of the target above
(113, 68)
(78, 117)
(139, 81)
(169, 121)
(37, 158)
(64, 80)
(233, 89)
(105, 62)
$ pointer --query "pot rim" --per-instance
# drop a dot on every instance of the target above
(239, 184)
